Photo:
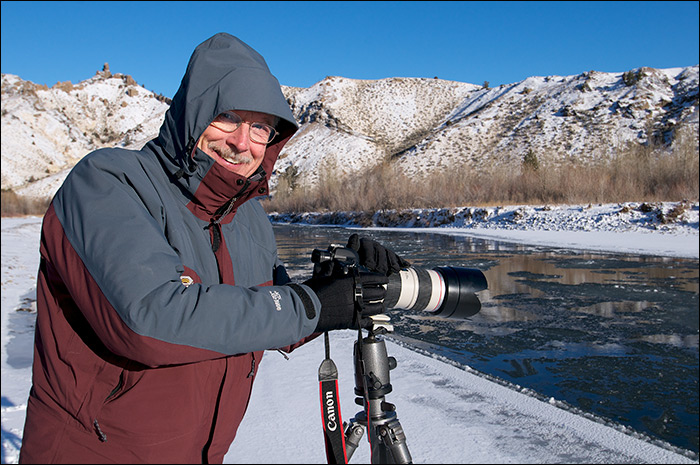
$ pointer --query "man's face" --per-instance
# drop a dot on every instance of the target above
(235, 151)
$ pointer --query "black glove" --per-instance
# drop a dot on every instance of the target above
(376, 257)
(337, 296)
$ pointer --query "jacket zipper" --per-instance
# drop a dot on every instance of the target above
(215, 220)
(100, 434)
(219, 215)
(252, 367)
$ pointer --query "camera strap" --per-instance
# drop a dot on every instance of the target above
(360, 357)
(333, 433)
(365, 388)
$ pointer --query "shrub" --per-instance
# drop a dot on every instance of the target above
(17, 205)
(632, 77)
(530, 161)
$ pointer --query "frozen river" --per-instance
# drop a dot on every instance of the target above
(615, 335)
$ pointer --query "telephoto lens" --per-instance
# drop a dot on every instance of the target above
(447, 291)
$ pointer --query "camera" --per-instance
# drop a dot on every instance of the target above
(446, 291)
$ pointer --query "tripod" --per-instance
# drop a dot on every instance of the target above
(385, 434)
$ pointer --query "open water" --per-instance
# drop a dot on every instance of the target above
(612, 335)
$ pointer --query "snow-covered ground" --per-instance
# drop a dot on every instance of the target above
(450, 414)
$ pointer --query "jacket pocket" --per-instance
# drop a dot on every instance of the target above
(155, 405)
(117, 388)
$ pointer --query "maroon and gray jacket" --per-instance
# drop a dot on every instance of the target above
(160, 286)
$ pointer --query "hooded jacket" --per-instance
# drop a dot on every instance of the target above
(159, 285)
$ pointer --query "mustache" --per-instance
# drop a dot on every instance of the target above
(225, 152)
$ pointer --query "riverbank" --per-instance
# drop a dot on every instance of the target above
(661, 228)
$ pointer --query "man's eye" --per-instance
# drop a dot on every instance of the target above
(231, 117)
(260, 127)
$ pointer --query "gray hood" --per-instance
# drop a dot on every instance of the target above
(223, 73)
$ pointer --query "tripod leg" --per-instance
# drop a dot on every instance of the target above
(353, 435)
(393, 438)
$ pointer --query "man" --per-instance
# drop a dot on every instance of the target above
(160, 286)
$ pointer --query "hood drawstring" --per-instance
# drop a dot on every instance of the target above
(187, 159)
(189, 147)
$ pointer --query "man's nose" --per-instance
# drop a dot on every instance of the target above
(240, 138)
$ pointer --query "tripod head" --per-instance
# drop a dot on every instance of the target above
(372, 365)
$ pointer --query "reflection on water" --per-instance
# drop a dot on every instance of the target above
(615, 335)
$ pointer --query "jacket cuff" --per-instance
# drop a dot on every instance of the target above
(305, 294)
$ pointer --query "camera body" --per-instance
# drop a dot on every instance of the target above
(447, 292)
(345, 257)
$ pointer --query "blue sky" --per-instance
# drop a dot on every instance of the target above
(303, 42)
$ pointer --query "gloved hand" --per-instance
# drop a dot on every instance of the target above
(337, 296)
(375, 257)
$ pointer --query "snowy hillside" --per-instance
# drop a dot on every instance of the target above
(424, 124)
(46, 131)
(346, 125)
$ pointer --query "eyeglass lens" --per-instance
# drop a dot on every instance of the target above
(259, 132)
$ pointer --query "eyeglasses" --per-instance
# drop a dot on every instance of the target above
(229, 121)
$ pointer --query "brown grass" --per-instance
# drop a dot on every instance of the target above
(638, 173)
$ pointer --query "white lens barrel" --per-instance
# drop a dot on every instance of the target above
(437, 295)
(420, 289)
(408, 290)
